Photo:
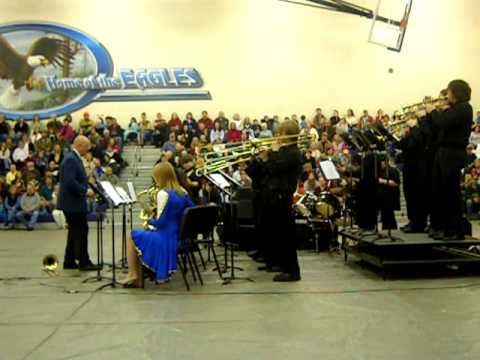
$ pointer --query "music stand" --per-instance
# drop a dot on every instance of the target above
(221, 182)
(126, 201)
(115, 201)
(101, 199)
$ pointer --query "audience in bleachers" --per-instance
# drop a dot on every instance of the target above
(31, 152)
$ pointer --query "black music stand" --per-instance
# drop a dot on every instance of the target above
(229, 216)
(101, 200)
(126, 201)
(115, 201)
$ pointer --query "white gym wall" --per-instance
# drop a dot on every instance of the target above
(262, 57)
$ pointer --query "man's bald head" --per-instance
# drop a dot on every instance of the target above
(81, 144)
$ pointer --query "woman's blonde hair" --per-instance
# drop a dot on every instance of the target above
(166, 178)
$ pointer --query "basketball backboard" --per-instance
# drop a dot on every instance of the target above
(389, 23)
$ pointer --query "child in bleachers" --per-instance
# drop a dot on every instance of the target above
(11, 204)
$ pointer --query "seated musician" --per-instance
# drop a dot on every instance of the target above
(157, 250)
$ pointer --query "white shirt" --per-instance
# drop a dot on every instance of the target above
(162, 198)
(19, 154)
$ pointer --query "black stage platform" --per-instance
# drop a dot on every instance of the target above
(412, 250)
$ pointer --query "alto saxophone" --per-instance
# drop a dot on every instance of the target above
(149, 206)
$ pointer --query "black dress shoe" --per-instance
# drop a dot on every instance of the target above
(274, 269)
(89, 267)
(284, 277)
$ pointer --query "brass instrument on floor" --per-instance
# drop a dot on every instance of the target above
(149, 206)
(50, 264)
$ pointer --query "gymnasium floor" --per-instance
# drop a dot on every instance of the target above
(337, 311)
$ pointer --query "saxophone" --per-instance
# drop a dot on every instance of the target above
(149, 205)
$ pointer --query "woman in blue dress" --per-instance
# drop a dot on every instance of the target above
(157, 249)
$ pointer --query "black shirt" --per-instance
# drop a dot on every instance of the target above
(454, 125)
(284, 168)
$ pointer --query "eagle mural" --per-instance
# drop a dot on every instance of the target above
(19, 68)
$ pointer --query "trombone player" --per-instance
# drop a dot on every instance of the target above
(454, 127)
(283, 167)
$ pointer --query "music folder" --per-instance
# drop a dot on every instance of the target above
(123, 194)
(111, 193)
(131, 191)
(329, 170)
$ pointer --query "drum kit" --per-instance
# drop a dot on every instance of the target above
(325, 206)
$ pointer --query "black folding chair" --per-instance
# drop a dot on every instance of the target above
(196, 220)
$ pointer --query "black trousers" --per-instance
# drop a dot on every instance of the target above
(447, 198)
(281, 244)
(416, 195)
(77, 238)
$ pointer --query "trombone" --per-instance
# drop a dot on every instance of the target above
(415, 110)
(243, 152)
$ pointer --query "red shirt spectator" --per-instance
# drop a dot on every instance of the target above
(175, 123)
(206, 121)
(66, 131)
(233, 134)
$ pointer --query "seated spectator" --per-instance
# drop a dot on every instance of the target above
(58, 215)
(13, 175)
(265, 132)
(351, 119)
(100, 125)
(477, 121)
(471, 156)
(66, 131)
(132, 132)
(110, 176)
(54, 125)
(98, 170)
(335, 118)
(233, 134)
(30, 173)
(217, 135)
(311, 184)
(53, 169)
(206, 121)
(4, 128)
(20, 154)
(342, 126)
(56, 156)
(208, 194)
(11, 205)
(471, 196)
(366, 119)
(41, 162)
(145, 129)
(224, 123)
(4, 158)
(175, 123)
(46, 193)
(21, 128)
(86, 124)
(30, 206)
(324, 144)
(303, 124)
(160, 131)
(475, 136)
(242, 177)
(170, 144)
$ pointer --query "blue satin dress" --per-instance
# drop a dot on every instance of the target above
(158, 248)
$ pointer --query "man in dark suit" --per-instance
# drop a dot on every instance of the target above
(72, 199)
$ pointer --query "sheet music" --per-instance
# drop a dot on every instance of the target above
(220, 181)
(111, 193)
(123, 194)
(131, 191)
(329, 170)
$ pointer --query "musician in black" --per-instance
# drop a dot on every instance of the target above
(388, 193)
(454, 127)
(283, 167)
(415, 179)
